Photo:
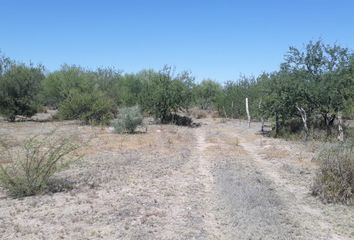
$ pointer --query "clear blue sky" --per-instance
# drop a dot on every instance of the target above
(216, 39)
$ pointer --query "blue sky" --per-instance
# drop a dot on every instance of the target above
(216, 39)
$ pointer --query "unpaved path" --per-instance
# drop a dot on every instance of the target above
(291, 175)
(219, 181)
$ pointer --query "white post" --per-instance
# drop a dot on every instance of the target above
(248, 113)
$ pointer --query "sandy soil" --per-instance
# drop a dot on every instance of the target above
(219, 181)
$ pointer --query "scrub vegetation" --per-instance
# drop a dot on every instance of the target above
(220, 174)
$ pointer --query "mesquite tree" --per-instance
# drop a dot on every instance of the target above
(164, 93)
(19, 88)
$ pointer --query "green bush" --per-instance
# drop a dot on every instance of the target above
(19, 89)
(89, 107)
(32, 166)
(334, 181)
(165, 94)
(128, 89)
(57, 86)
(207, 93)
(128, 120)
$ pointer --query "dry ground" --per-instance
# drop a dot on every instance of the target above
(219, 181)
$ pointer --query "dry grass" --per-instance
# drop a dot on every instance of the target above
(31, 166)
(153, 186)
(104, 140)
(334, 181)
(198, 113)
(273, 152)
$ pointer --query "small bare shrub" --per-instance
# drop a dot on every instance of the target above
(215, 114)
(31, 165)
(201, 114)
(129, 118)
(334, 181)
(198, 113)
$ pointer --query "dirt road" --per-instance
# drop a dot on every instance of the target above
(219, 181)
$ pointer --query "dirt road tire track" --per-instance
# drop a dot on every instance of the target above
(212, 182)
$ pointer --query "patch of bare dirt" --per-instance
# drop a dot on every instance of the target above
(218, 181)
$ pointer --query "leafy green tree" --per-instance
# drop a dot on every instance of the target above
(58, 85)
(316, 81)
(90, 107)
(232, 102)
(130, 88)
(82, 94)
(320, 68)
(108, 81)
(19, 89)
(5, 64)
(207, 93)
(280, 94)
(164, 94)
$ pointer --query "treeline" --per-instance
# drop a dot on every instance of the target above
(311, 93)
(313, 89)
(91, 96)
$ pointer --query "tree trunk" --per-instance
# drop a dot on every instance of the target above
(262, 119)
(277, 126)
(262, 126)
(232, 109)
(304, 119)
(248, 114)
(329, 120)
(12, 118)
(340, 128)
(224, 111)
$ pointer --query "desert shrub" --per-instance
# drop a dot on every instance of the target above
(179, 120)
(334, 181)
(32, 165)
(57, 86)
(230, 102)
(129, 89)
(198, 113)
(164, 94)
(89, 107)
(19, 89)
(129, 118)
(201, 114)
(206, 94)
